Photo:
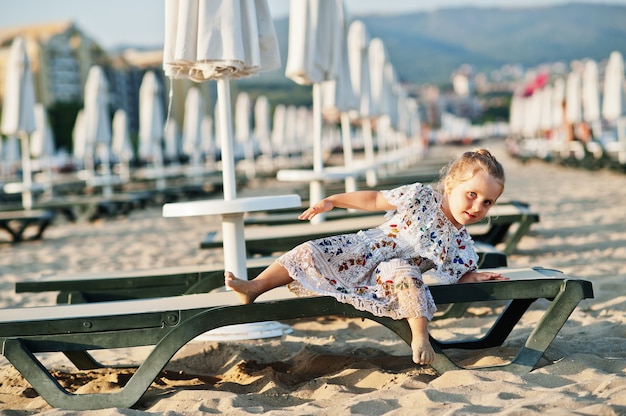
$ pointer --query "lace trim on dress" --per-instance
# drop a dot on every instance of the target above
(395, 288)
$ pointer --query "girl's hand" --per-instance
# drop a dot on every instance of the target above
(481, 277)
(322, 206)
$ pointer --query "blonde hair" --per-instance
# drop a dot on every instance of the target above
(466, 166)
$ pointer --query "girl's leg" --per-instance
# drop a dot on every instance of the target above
(248, 290)
(423, 352)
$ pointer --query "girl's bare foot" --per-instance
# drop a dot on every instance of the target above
(423, 352)
(244, 289)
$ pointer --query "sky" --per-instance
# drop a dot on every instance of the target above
(140, 22)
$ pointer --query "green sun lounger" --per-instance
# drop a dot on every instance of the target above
(17, 222)
(140, 284)
(506, 224)
(168, 324)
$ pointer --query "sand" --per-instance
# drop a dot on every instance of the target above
(342, 366)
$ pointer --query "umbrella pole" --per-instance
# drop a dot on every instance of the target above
(316, 188)
(368, 143)
(348, 154)
(232, 224)
(27, 179)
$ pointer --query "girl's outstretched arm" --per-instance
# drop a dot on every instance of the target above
(363, 200)
(481, 277)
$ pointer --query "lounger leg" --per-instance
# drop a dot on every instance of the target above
(499, 331)
(548, 327)
(15, 236)
(53, 393)
(538, 341)
(522, 229)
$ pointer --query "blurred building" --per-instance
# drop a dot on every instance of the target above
(60, 57)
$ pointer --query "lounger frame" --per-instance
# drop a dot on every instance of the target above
(170, 323)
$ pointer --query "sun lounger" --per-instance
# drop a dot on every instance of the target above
(17, 222)
(91, 207)
(140, 284)
(269, 240)
(169, 323)
(506, 224)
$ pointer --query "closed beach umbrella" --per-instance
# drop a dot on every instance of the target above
(79, 138)
(171, 142)
(42, 142)
(314, 56)
(42, 139)
(573, 97)
(358, 55)
(262, 125)
(207, 144)
(11, 154)
(120, 143)
(613, 96)
(219, 40)
(192, 126)
(151, 124)
(558, 96)
(279, 131)
(243, 131)
(591, 92)
(97, 122)
(378, 59)
(18, 109)
(340, 99)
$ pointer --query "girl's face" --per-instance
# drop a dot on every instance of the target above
(468, 202)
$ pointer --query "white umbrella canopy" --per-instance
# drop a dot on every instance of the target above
(573, 97)
(243, 132)
(546, 119)
(262, 125)
(591, 92)
(207, 40)
(358, 55)
(79, 137)
(151, 118)
(18, 109)
(151, 125)
(378, 60)
(558, 96)
(42, 139)
(172, 145)
(279, 132)
(207, 143)
(192, 126)
(10, 156)
(120, 143)
(97, 123)
(613, 96)
(315, 41)
(42, 143)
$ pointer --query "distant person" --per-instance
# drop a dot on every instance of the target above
(380, 270)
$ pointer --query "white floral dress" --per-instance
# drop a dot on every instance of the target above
(380, 270)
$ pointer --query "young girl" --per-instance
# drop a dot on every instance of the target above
(380, 270)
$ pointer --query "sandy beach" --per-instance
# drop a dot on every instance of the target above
(341, 366)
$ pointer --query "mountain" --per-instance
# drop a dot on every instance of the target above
(426, 47)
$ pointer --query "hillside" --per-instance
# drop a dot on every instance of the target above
(426, 47)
